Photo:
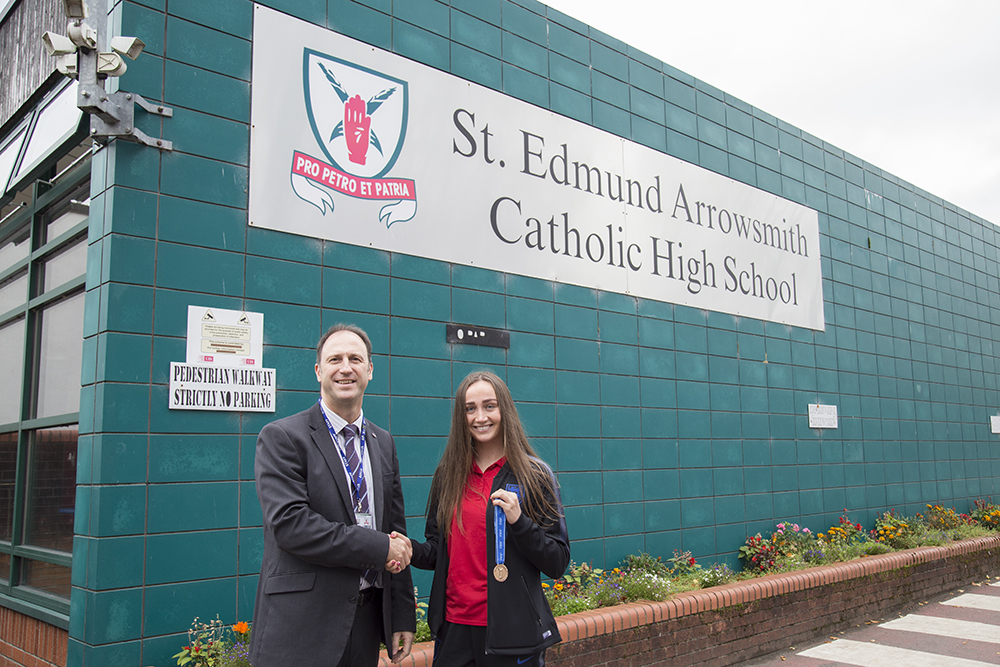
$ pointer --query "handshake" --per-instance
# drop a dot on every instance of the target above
(400, 552)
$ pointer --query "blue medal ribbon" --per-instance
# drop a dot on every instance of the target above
(500, 527)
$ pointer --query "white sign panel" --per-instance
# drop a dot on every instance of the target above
(822, 416)
(994, 424)
(220, 337)
(200, 387)
(356, 144)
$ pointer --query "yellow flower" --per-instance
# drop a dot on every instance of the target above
(559, 587)
(544, 585)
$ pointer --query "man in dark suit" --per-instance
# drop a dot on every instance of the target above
(334, 580)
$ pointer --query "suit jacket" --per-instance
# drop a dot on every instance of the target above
(314, 551)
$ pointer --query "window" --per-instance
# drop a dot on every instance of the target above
(43, 262)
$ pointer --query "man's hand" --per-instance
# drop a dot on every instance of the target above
(357, 124)
(399, 652)
(400, 552)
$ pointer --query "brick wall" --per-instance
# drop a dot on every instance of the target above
(727, 625)
(27, 642)
(715, 627)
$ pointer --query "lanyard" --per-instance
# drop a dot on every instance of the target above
(358, 477)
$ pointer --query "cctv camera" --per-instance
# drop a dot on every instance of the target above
(110, 64)
(57, 45)
(66, 64)
(75, 9)
(82, 34)
(128, 46)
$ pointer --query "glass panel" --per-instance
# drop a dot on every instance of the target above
(8, 473)
(4, 567)
(51, 488)
(14, 249)
(65, 217)
(11, 365)
(56, 123)
(14, 292)
(60, 357)
(7, 156)
(21, 199)
(73, 158)
(54, 579)
(66, 265)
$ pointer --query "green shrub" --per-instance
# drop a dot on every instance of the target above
(986, 514)
(894, 531)
(646, 563)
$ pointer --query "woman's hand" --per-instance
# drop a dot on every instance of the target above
(508, 502)
(400, 551)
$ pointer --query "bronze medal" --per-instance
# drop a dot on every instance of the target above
(500, 572)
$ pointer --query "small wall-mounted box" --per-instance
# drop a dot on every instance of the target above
(469, 335)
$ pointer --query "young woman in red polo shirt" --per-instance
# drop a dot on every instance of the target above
(494, 524)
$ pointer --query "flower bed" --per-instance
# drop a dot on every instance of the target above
(729, 624)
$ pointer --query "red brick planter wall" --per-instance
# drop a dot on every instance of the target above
(714, 627)
(727, 625)
(26, 642)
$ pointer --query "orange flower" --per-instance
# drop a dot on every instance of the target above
(241, 628)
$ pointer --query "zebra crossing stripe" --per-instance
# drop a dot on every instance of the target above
(865, 654)
(973, 601)
(946, 627)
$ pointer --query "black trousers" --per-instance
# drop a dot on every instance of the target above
(465, 646)
(366, 633)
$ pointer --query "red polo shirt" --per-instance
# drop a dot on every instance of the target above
(465, 592)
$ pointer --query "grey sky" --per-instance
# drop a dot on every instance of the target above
(911, 87)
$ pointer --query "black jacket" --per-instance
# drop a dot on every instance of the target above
(519, 621)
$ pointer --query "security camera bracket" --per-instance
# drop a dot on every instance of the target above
(112, 115)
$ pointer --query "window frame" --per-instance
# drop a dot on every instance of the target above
(33, 218)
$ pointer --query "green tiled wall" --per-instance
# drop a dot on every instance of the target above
(670, 428)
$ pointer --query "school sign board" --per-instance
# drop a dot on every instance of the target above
(359, 145)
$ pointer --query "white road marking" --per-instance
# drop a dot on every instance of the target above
(866, 654)
(946, 627)
(973, 601)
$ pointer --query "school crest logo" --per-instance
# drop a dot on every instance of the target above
(358, 118)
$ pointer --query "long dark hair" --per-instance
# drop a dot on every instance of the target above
(452, 472)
